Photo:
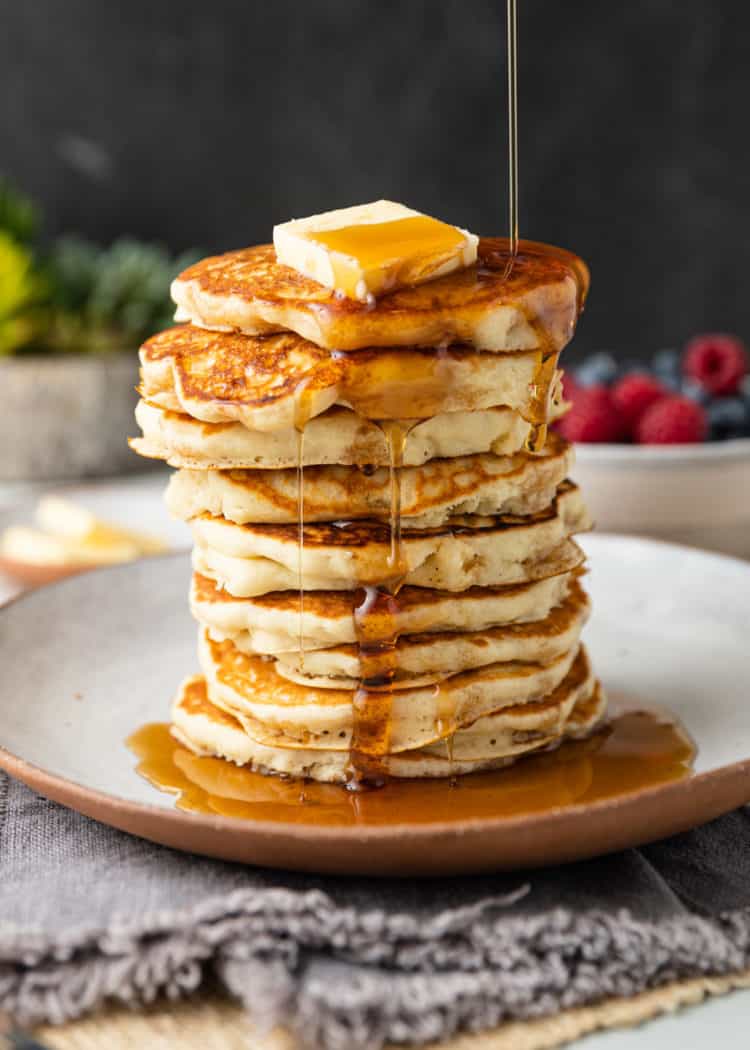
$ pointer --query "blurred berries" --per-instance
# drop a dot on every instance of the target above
(599, 369)
(676, 398)
(729, 418)
(666, 366)
(717, 362)
(593, 418)
(673, 420)
(633, 394)
(690, 388)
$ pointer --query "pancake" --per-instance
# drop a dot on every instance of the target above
(270, 623)
(337, 436)
(447, 652)
(206, 729)
(534, 307)
(571, 710)
(472, 551)
(484, 484)
(277, 382)
(273, 709)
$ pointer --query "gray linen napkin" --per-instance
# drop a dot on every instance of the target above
(88, 913)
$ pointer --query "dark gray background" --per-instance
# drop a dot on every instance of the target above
(203, 123)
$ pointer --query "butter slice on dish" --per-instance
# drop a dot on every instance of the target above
(68, 535)
(370, 249)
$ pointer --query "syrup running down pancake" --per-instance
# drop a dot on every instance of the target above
(337, 436)
(485, 485)
(489, 744)
(465, 552)
(448, 652)
(272, 382)
(270, 623)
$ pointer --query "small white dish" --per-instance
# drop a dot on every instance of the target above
(692, 494)
(134, 502)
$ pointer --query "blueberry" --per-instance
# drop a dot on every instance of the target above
(629, 366)
(666, 367)
(745, 387)
(729, 417)
(689, 388)
(599, 368)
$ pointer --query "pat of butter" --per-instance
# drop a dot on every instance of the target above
(371, 249)
(77, 524)
(31, 546)
(71, 535)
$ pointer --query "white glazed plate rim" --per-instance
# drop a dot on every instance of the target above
(663, 455)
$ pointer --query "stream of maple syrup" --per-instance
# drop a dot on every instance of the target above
(636, 749)
(376, 618)
(512, 62)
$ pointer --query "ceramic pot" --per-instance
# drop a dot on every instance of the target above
(67, 415)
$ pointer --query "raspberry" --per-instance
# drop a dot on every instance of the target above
(593, 417)
(672, 421)
(634, 394)
(718, 362)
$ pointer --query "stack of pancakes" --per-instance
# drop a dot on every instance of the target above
(384, 571)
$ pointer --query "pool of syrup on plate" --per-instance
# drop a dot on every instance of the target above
(636, 748)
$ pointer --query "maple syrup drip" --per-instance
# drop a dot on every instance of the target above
(540, 393)
(396, 384)
(396, 432)
(302, 413)
(376, 619)
(445, 719)
(512, 62)
(301, 540)
(449, 754)
(637, 748)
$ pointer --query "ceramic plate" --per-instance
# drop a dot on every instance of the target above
(90, 659)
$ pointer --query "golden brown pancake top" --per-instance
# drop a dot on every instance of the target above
(256, 371)
(253, 276)
(254, 677)
(195, 702)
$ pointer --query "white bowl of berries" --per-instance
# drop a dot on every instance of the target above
(663, 449)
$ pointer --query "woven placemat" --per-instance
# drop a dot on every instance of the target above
(216, 1024)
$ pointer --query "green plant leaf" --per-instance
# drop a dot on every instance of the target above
(22, 294)
(111, 298)
(19, 216)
